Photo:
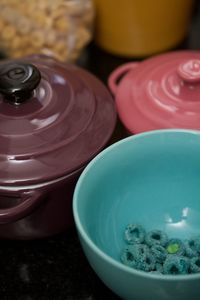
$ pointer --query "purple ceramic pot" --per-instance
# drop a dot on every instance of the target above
(54, 118)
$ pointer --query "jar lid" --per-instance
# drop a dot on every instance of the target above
(54, 118)
(160, 92)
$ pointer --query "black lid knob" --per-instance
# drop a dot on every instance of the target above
(18, 80)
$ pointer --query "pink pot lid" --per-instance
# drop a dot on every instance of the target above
(53, 119)
(160, 92)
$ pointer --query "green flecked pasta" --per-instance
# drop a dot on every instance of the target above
(159, 252)
(195, 265)
(146, 262)
(190, 248)
(138, 256)
(155, 253)
(175, 246)
(127, 257)
(156, 237)
(134, 233)
(176, 265)
(197, 244)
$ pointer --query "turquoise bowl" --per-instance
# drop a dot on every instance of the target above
(153, 179)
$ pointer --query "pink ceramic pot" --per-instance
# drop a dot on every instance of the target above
(54, 118)
(160, 92)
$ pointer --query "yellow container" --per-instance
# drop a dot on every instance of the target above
(141, 27)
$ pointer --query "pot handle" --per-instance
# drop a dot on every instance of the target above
(29, 200)
(116, 75)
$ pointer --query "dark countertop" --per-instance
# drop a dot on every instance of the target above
(56, 268)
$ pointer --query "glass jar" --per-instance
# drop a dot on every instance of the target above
(58, 28)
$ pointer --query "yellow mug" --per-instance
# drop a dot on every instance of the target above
(138, 28)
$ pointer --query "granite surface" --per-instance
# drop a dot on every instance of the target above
(49, 269)
(56, 268)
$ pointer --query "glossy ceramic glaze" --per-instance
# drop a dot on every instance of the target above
(46, 210)
(142, 27)
(54, 118)
(160, 92)
(68, 119)
(152, 179)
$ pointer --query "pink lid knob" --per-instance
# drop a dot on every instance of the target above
(189, 71)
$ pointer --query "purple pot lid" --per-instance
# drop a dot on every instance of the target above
(54, 118)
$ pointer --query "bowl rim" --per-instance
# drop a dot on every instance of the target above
(80, 227)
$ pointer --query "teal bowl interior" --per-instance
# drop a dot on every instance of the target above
(152, 179)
